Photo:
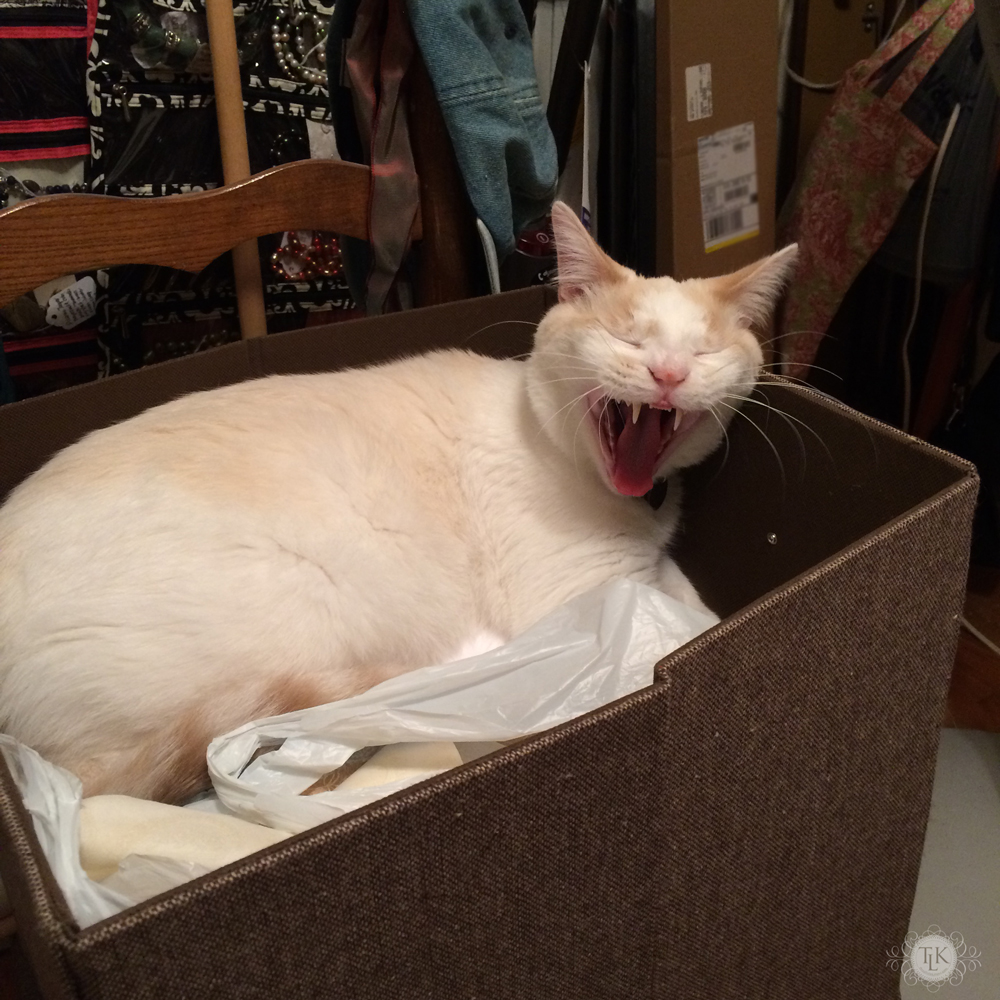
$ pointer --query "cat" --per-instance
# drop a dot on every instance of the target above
(293, 540)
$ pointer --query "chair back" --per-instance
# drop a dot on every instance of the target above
(53, 235)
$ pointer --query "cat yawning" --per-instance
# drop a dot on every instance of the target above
(289, 541)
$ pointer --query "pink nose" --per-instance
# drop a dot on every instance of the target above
(669, 377)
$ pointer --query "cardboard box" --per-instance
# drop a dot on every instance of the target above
(716, 90)
(751, 825)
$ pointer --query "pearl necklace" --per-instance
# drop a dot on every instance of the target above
(294, 44)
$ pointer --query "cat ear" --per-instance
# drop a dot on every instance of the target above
(582, 263)
(754, 290)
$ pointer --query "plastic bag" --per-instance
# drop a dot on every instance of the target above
(140, 878)
(593, 650)
(52, 797)
(597, 648)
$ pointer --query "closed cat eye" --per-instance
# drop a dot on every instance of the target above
(627, 338)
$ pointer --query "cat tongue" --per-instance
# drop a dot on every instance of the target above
(635, 453)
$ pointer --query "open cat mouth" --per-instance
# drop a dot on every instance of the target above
(634, 438)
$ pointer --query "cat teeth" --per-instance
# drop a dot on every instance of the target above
(636, 409)
(678, 417)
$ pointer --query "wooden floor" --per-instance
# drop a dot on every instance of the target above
(974, 701)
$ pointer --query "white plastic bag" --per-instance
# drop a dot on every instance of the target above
(52, 797)
(593, 650)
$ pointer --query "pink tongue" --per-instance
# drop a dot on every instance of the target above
(635, 453)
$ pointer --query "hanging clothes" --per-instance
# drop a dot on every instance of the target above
(865, 159)
(370, 49)
(479, 57)
(957, 224)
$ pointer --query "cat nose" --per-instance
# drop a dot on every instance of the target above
(669, 377)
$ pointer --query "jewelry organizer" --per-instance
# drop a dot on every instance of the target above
(154, 132)
(150, 128)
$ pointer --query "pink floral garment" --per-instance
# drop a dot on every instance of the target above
(860, 168)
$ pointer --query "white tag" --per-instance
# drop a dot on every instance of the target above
(727, 171)
(699, 91)
(73, 305)
(322, 141)
(45, 292)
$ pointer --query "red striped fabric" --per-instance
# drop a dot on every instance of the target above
(46, 31)
(91, 21)
(44, 153)
(43, 124)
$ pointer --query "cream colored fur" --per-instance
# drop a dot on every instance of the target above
(296, 539)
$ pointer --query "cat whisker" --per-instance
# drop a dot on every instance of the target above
(813, 389)
(576, 399)
(500, 322)
(818, 368)
(548, 353)
(567, 406)
(576, 457)
(800, 382)
(832, 399)
(792, 333)
(760, 430)
(725, 437)
(567, 378)
(789, 417)
(580, 368)
(820, 333)
(790, 420)
(774, 409)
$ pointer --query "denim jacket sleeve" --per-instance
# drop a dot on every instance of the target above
(479, 57)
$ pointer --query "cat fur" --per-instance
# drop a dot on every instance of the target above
(292, 540)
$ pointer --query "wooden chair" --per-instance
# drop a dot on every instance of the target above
(55, 235)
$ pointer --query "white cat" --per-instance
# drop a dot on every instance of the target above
(293, 540)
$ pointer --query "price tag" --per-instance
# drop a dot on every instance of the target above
(698, 80)
(73, 305)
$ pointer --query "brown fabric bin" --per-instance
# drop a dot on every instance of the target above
(749, 826)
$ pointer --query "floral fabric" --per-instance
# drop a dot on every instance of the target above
(860, 168)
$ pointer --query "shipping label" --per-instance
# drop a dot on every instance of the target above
(727, 170)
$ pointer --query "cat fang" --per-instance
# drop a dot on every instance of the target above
(624, 427)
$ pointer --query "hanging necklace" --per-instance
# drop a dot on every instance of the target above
(299, 40)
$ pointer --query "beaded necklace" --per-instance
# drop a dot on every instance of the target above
(9, 185)
(298, 36)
